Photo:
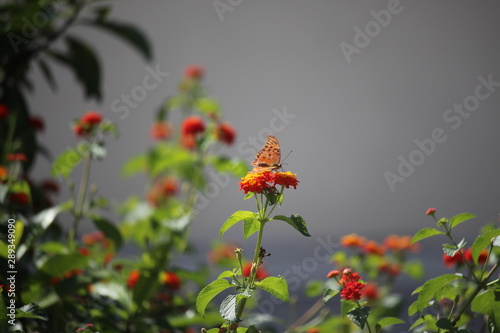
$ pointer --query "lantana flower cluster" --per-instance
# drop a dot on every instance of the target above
(350, 282)
(267, 181)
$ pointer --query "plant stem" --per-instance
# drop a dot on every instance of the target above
(77, 212)
(255, 263)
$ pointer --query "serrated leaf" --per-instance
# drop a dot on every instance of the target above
(225, 274)
(296, 221)
(387, 321)
(450, 250)
(32, 310)
(425, 233)
(460, 218)
(209, 292)
(65, 163)
(250, 226)
(276, 286)
(430, 288)
(359, 315)
(233, 219)
(109, 230)
(482, 242)
(228, 309)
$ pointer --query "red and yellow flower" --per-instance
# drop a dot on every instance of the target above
(267, 181)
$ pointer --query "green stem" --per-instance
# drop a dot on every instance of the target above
(251, 279)
(78, 210)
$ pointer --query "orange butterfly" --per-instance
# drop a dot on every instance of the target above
(268, 158)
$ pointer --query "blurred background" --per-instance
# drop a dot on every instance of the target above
(387, 107)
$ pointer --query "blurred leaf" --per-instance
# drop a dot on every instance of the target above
(114, 291)
(444, 323)
(235, 167)
(329, 294)
(134, 165)
(233, 219)
(430, 288)
(482, 242)
(414, 269)
(296, 221)
(459, 218)
(207, 105)
(276, 286)
(108, 127)
(128, 33)
(109, 230)
(32, 310)
(314, 288)
(47, 73)
(387, 321)
(359, 315)
(209, 292)
(250, 226)
(58, 264)
(54, 248)
(425, 233)
(66, 162)
(97, 150)
(228, 309)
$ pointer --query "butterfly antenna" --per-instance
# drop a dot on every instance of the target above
(287, 155)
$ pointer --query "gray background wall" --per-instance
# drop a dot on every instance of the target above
(353, 119)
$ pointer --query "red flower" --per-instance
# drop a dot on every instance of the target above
(49, 185)
(133, 277)
(4, 111)
(391, 269)
(194, 72)
(266, 181)
(37, 123)
(430, 211)
(192, 125)
(162, 190)
(17, 157)
(286, 179)
(91, 118)
(351, 287)
(188, 141)
(79, 130)
(370, 291)
(172, 280)
(221, 252)
(96, 237)
(84, 251)
(333, 274)
(225, 133)
(449, 261)
(481, 259)
(161, 131)
(261, 272)
(352, 240)
(20, 198)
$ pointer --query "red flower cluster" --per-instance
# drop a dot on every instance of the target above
(372, 247)
(351, 287)
(261, 272)
(400, 243)
(95, 238)
(459, 259)
(162, 190)
(161, 131)
(49, 185)
(19, 198)
(171, 280)
(194, 72)
(133, 277)
(37, 123)
(225, 133)
(17, 157)
(4, 111)
(87, 123)
(352, 240)
(267, 180)
(192, 125)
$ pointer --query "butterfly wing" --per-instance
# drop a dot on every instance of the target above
(269, 157)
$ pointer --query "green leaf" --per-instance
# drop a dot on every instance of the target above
(109, 230)
(228, 309)
(208, 105)
(32, 310)
(60, 263)
(248, 195)
(128, 33)
(296, 221)
(3, 313)
(459, 218)
(209, 292)
(134, 165)
(233, 219)
(444, 323)
(314, 288)
(425, 233)
(236, 167)
(225, 274)
(66, 162)
(329, 294)
(482, 242)
(359, 315)
(250, 226)
(387, 321)
(429, 290)
(276, 286)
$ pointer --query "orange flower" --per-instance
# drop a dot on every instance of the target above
(225, 133)
(267, 180)
(430, 211)
(370, 291)
(133, 277)
(261, 272)
(161, 131)
(3, 173)
(400, 243)
(96, 237)
(333, 274)
(194, 72)
(373, 247)
(17, 157)
(352, 240)
(221, 252)
(286, 179)
(172, 280)
(313, 330)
